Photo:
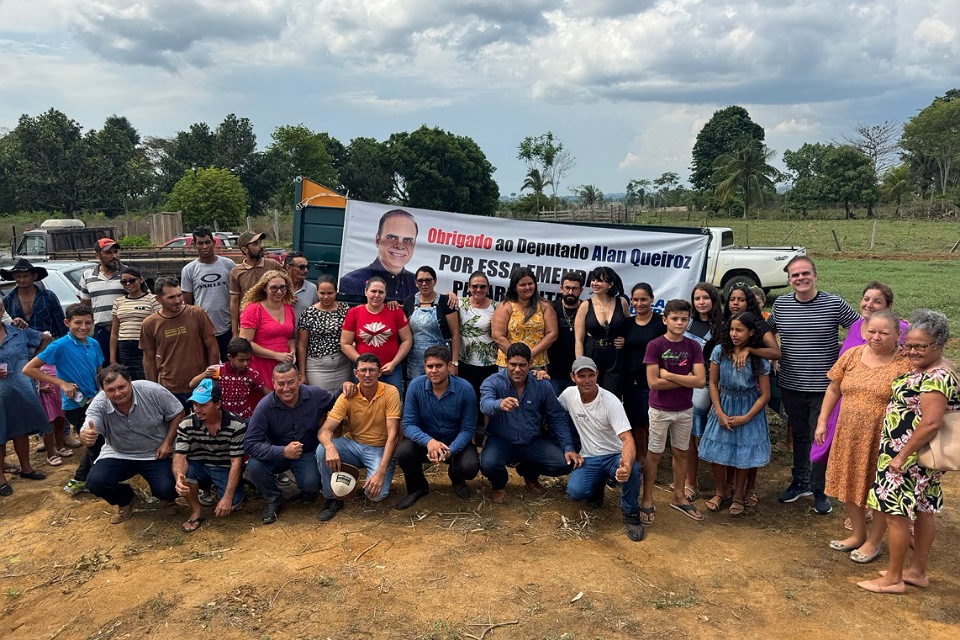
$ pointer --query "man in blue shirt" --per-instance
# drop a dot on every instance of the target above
(439, 420)
(516, 401)
(282, 435)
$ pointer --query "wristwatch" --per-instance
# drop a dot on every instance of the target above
(455, 363)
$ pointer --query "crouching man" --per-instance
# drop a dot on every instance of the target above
(370, 436)
(607, 446)
(138, 421)
(209, 451)
(439, 420)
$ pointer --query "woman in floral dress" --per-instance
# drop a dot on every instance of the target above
(903, 490)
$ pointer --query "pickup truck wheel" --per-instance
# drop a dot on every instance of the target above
(737, 280)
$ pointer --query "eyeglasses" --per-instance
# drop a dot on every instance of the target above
(919, 347)
(126, 281)
(302, 267)
(424, 280)
(478, 287)
(277, 288)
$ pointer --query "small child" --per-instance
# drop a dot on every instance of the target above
(50, 401)
(736, 434)
(241, 387)
(674, 369)
(77, 357)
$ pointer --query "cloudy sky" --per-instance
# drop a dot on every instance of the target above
(624, 84)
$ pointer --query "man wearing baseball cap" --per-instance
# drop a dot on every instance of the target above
(245, 275)
(209, 451)
(607, 446)
(99, 287)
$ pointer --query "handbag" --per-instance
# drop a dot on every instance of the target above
(942, 453)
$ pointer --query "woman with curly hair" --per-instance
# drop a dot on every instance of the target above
(267, 321)
(525, 317)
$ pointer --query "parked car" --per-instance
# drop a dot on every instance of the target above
(220, 239)
(63, 280)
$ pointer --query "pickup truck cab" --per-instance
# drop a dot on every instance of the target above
(729, 264)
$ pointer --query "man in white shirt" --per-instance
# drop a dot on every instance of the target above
(607, 446)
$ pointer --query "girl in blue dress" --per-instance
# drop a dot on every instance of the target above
(736, 434)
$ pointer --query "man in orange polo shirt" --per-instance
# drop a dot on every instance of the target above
(370, 436)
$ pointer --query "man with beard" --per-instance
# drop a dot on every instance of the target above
(177, 341)
(99, 287)
(562, 352)
(395, 241)
(248, 272)
(204, 282)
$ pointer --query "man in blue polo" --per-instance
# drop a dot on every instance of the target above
(516, 402)
(282, 435)
(439, 420)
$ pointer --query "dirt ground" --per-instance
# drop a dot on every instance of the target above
(533, 567)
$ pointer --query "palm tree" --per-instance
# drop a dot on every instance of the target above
(896, 182)
(536, 183)
(747, 169)
(589, 195)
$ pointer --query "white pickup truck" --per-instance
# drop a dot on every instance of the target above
(729, 265)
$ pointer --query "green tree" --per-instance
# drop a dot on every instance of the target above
(745, 171)
(589, 195)
(296, 150)
(118, 172)
(896, 182)
(636, 192)
(435, 169)
(665, 184)
(935, 133)
(48, 162)
(535, 182)
(367, 171)
(212, 197)
(827, 174)
(723, 133)
(546, 154)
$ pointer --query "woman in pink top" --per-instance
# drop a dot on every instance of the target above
(267, 321)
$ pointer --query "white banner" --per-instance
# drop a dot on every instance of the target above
(456, 245)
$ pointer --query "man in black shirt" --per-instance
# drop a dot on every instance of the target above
(561, 353)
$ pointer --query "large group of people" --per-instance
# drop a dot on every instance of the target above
(248, 373)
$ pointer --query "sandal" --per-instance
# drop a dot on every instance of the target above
(736, 509)
(688, 510)
(646, 515)
(192, 524)
(54, 461)
(716, 503)
(750, 500)
(689, 492)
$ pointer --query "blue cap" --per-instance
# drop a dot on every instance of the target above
(206, 391)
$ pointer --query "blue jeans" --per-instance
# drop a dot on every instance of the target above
(361, 456)
(594, 473)
(106, 479)
(560, 384)
(207, 474)
(540, 456)
(261, 473)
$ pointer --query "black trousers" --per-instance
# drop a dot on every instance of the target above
(411, 457)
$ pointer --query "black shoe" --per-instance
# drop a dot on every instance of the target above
(6, 489)
(462, 490)
(410, 499)
(269, 513)
(821, 503)
(634, 527)
(595, 501)
(330, 509)
(306, 497)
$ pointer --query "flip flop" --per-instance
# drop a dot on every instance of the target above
(196, 522)
(646, 515)
(688, 510)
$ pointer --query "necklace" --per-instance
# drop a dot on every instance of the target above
(567, 318)
(603, 311)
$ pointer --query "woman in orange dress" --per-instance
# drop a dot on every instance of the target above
(862, 375)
